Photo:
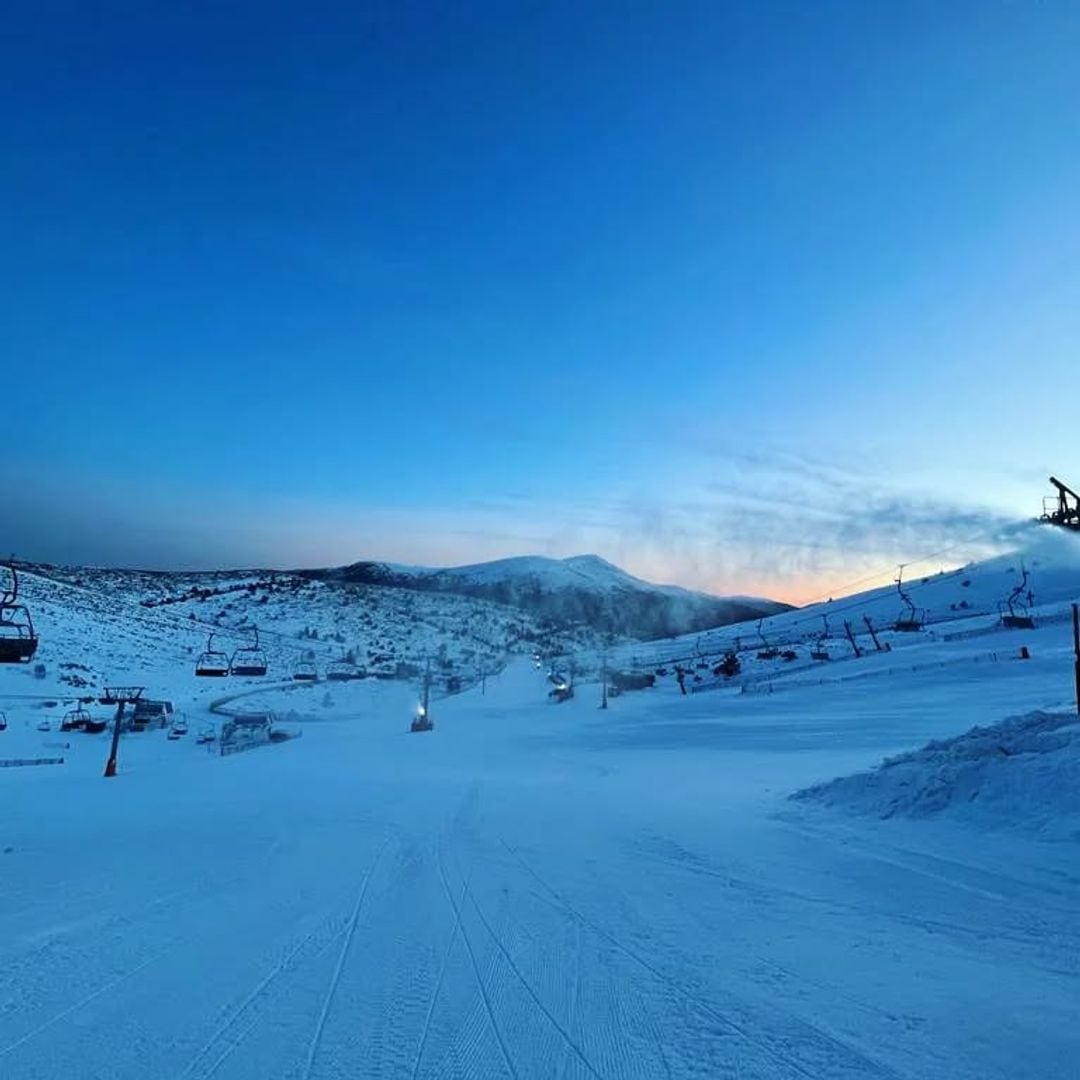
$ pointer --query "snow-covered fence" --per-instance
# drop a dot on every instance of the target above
(18, 763)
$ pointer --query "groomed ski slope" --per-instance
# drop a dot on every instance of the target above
(537, 890)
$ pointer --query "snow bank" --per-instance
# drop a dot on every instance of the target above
(1021, 773)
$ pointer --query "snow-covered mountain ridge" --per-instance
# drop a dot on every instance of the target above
(580, 589)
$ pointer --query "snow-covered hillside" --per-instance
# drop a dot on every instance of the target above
(117, 626)
(583, 589)
(962, 603)
(545, 891)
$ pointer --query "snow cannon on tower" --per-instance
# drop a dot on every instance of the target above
(1062, 509)
(422, 720)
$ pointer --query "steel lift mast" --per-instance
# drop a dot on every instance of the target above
(1064, 509)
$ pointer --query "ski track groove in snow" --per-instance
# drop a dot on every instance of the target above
(81, 1002)
(335, 976)
(815, 1034)
(476, 971)
(575, 991)
(499, 944)
(438, 984)
(261, 987)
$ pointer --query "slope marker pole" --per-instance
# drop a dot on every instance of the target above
(1076, 650)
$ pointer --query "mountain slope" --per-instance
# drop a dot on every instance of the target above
(581, 589)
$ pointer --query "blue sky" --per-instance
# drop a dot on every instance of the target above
(748, 297)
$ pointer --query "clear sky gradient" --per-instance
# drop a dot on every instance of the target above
(751, 297)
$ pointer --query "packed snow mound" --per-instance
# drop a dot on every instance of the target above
(1021, 773)
(582, 589)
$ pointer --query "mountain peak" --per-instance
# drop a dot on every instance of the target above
(580, 589)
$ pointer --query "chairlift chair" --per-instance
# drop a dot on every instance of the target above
(1013, 610)
(305, 670)
(911, 618)
(341, 670)
(767, 651)
(18, 641)
(75, 720)
(820, 650)
(3, 722)
(213, 663)
(248, 659)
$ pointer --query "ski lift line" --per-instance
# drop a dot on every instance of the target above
(889, 570)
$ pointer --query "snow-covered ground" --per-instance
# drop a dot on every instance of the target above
(539, 890)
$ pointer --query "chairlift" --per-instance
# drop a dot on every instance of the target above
(18, 641)
(213, 663)
(75, 720)
(767, 651)
(248, 659)
(3, 722)
(342, 670)
(820, 651)
(910, 618)
(1013, 610)
(305, 670)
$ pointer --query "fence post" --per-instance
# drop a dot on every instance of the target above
(1076, 650)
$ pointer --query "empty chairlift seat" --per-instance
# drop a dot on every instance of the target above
(249, 659)
(18, 641)
(341, 671)
(213, 663)
(305, 670)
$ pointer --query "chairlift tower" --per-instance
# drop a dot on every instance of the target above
(118, 696)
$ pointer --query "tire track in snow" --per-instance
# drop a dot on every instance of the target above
(476, 971)
(335, 977)
(850, 1054)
